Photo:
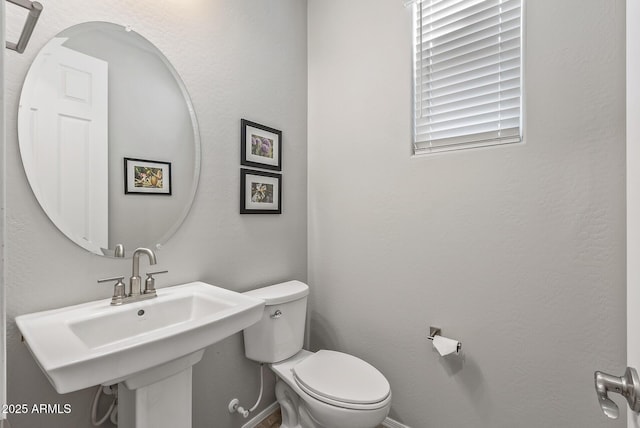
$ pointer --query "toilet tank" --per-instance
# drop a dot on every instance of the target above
(280, 332)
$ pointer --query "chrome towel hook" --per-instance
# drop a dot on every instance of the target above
(34, 9)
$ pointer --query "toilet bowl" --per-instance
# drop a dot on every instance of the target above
(325, 389)
(329, 392)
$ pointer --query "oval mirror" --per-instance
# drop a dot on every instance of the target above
(109, 139)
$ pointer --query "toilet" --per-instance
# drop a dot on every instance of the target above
(325, 389)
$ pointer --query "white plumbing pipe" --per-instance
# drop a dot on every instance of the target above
(261, 387)
(94, 407)
(234, 405)
(114, 416)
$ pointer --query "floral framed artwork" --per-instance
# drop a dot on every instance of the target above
(260, 192)
(260, 145)
(147, 177)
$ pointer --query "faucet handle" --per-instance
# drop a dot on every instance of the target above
(150, 282)
(115, 278)
(118, 289)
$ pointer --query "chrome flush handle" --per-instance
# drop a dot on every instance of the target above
(627, 385)
(277, 314)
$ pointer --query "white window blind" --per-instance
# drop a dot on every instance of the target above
(467, 74)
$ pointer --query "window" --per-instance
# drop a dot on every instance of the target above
(467, 74)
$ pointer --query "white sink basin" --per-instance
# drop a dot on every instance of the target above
(96, 343)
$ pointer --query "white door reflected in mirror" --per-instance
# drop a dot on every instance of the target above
(68, 134)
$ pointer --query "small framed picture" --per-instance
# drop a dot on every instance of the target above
(147, 177)
(260, 192)
(261, 146)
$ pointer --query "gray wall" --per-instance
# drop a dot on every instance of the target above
(518, 251)
(241, 58)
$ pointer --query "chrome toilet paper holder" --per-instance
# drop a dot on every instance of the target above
(437, 331)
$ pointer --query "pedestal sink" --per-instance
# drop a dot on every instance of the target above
(147, 347)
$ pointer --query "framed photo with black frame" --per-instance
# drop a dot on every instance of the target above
(260, 192)
(260, 146)
(147, 177)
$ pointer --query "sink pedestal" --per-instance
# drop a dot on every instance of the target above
(159, 397)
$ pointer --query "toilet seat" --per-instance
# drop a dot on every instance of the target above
(342, 380)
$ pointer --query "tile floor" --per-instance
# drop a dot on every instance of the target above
(272, 421)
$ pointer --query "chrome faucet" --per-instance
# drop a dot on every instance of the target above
(135, 282)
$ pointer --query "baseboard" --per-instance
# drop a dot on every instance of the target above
(390, 423)
(253, 422)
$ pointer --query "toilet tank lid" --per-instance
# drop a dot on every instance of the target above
(280, 293)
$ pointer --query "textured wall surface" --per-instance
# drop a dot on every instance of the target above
(244, 58)
(518, 251)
